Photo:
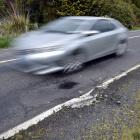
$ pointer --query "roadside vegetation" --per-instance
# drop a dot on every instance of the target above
(126, 127)
(136, 28)
(127, 11)
(5, 41)
(18, 16)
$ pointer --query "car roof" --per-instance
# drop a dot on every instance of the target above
(87, 17)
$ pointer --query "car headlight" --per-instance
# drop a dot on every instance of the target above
(50, 48)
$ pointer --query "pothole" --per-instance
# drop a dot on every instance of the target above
(67, 85)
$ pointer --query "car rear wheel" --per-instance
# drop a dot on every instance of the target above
(74, 62)
(122, 48)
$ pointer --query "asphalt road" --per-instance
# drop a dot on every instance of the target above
(114, 117)
(22, 96)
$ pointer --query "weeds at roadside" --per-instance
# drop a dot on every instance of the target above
(123, 127)
(5, 42)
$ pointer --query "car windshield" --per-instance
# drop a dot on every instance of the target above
(66, 25)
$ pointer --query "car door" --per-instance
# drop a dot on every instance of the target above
(103, 43)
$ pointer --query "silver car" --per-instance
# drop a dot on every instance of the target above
(68, 42)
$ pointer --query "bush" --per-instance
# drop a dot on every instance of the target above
(72, 7)
(15, 20)
(136, 2)
(119, 10)
(5, 42)
(14, 25)
(126, 11)
(137, 14)
(116, 9)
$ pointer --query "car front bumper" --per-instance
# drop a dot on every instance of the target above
(40, 63)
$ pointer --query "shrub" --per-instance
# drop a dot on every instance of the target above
(5, 42)
(72, 7)
(14, 25)
(15, 19)
(136, 2)
(137, 13)
(116, 9)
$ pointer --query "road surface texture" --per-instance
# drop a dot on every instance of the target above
(116, 116)
(23, 96)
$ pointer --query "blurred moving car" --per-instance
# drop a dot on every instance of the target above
(67, 43)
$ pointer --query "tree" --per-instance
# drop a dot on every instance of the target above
(72, 7)
(42, 11)
(2, 7)
(115, 9)
(136, 2)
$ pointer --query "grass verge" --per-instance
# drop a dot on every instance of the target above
(136, 28)
(121, 128)
(5, 41)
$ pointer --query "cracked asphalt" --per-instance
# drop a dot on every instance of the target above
(22, 96)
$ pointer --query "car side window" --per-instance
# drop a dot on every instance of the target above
(103, 26)
(112, 26)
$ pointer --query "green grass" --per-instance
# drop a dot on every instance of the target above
(136, 28)
(5, 42)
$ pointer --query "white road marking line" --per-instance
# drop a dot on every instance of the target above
(71, 103)
(108, 82)
(5, 61)
(134, 36)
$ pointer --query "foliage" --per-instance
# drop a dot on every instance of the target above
(14, 25)
(136, 28)
(5, 42)
(40, 11)
(137, 14)
(115, 9)
(2, 6)
(20, 13)
(112, 8)
(15, 20)
(136, 2)
(72, 7)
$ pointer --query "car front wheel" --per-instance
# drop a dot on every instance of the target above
(74, 62)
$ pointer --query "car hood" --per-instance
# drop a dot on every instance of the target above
(39, 39)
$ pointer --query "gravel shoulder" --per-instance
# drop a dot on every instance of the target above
(116, 116)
